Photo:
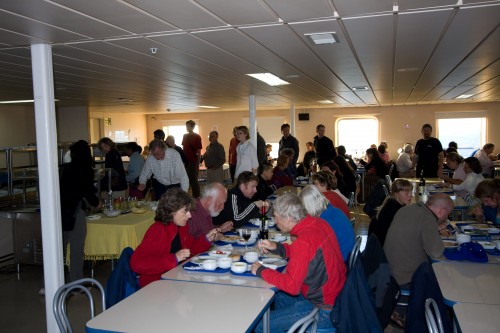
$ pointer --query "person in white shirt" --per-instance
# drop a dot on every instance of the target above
(246, 153)
(485, 157)
(406, 162)
(455, 162)
(166, 166)
(472, 169)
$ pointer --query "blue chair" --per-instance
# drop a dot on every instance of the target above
(123, 281)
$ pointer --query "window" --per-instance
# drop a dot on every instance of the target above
(467, 129)
(177, 128)
(357, 134)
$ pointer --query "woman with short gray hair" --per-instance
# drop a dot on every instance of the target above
(318, 205)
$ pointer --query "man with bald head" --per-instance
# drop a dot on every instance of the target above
(414, 236)
(209, 205)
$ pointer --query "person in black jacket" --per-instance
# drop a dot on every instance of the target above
(77, 184)
(401, 194)
(325, 149)
(113, 160)
(264, 190)
(375, 164)
(239, 206)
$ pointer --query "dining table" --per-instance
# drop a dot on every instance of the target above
(188, 307)
(108, 236)
(468, 282)
(477, 318)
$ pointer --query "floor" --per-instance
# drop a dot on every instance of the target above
(23, 309)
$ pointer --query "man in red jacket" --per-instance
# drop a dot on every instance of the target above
(315, 273)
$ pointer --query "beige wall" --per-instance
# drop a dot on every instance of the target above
(392, 122)
(134, 125)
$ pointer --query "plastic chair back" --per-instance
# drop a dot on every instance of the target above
(59, 305)
(433, 317)
(301, 325)
(354, 253)
(386, 191)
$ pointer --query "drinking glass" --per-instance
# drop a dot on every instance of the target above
(246, 234)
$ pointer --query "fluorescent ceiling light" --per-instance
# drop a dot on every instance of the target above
(208, 107)
(321, 38)
(326, 101)
(269, 78)
(463, 96)
(21, 101)
(360, 88)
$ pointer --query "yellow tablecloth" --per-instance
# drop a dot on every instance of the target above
(107, 237)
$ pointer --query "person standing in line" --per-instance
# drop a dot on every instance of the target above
(76, 184)
(214, 158)
(261, 149)
(159, 135)
(166, 165)
(289, 141)
(135, 164)
(245, 152)
(113, 160)
(430, 156)
(232, 154)
(170, 142)
(325, 149)
(191, 145)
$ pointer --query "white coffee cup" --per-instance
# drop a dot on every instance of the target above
(463, 238)
(251, 257)
(224, 262)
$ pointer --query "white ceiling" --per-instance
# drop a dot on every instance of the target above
(406, 52)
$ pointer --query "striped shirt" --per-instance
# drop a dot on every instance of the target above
(168, 171)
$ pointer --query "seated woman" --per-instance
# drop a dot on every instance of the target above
(167, 241)
(473, 169)
(384, 154)
(375, 165)
(406, 162)
(488, 191)
(348, 174)
(239, 206)
(308, 160)
(264, 190)
(281, 177)
(326, 182)
(455, 162)
(315, 273)
(317, 205)
(401, 194)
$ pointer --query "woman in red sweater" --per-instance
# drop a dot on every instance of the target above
(326, 183)
(168, 242)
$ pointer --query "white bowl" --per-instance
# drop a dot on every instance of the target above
(111, 213)
(239, 267)
(224, 262)
(209, 264)
(461, 238)
(251, 257)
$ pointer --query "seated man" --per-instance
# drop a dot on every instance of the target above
(315, 273)
(414, 235)
(208, 206)
(239, 207)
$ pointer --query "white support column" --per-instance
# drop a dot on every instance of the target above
(46, 139)
(251, 120)
(292, 119)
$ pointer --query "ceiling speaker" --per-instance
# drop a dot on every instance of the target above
(303, 116)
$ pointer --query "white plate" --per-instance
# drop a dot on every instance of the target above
(274, 261)
(219, 253)
(251, 242)
(301, 178)
(487, 245)
(199, 259)
(93, 217)
(234, 239)
(282, 239)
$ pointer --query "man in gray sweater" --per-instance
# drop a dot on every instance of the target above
(414, 236)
